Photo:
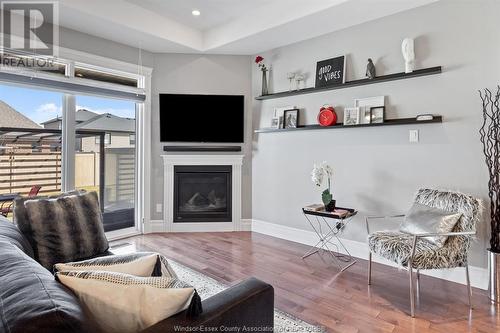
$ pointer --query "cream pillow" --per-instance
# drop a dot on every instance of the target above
(140, 264)
(123, 303)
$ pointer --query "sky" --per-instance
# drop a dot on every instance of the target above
(42, 105)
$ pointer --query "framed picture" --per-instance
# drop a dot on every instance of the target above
(280, 122)
(279, 112)
(291, 118)
(351, 116)
(370, 101)
(275, 122)
(330, 72)
(377, 114)
(366, 115)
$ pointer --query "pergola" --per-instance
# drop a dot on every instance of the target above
(10, 136)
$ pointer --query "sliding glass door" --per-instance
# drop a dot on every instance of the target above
(30, 152)
(73, 126)
(106, 163)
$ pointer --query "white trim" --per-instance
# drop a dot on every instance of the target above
(478, 275)
(246, 224)
(143, 146)
(122, 233)
(202, 227)
(103, 62)
(68, 142)
(155, 226)
(169, 161)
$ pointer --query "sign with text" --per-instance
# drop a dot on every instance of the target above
(330, 72)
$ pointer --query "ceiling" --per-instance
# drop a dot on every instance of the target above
(224, 26)
(215, 12)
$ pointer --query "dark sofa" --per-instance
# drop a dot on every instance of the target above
(32, 301)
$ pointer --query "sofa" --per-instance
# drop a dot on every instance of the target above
(31, 300)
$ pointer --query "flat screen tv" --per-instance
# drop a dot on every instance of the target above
(201, 118)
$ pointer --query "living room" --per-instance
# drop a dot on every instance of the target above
(225, 165)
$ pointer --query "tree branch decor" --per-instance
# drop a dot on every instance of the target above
(490, 138)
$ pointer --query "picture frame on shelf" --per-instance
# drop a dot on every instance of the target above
(377, 114)
(279, 113)
(291, 118)
(365, 115)
(351, 116)
(330, 72)
(369, 101)
(275, 122)
(280, 122)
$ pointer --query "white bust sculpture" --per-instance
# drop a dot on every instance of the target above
(409, 54)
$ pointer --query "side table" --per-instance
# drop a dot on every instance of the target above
(328, 227)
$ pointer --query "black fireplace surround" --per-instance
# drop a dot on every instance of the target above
(202, 193)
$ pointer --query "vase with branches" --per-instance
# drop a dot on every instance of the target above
(490, 138)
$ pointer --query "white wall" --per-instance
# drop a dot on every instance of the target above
(376, 170)
(201, 74)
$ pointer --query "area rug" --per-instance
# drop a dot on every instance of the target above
(206, 287)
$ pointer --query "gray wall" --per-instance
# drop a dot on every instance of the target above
(180, 73)
(79, 41)
(377, 170)
(200, 74)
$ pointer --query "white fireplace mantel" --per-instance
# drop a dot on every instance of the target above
(170, 161)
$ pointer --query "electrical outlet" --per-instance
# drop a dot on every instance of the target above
(159, 208)
(414, 136)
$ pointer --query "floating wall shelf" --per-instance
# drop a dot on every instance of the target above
(387, 122)
(355, 83)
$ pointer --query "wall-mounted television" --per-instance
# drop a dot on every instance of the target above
(202, 118)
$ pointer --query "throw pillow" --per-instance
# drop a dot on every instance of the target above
(125, 303)
(20, 216)
(140, 264)
(425, 219)
(65, 229)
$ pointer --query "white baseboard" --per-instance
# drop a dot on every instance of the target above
(478, 275)
(203, 227)
(155, 226)
(158, 226)
(246, 224)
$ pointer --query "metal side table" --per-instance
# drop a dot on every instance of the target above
(329, 226)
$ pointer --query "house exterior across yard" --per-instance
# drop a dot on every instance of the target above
(120, 132)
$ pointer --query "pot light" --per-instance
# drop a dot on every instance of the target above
(196, 12)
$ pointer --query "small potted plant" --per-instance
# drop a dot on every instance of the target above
(318, 175)
(260, 62)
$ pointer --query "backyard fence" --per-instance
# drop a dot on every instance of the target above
(22, 168)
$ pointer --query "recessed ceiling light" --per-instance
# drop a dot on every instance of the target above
(196, 12)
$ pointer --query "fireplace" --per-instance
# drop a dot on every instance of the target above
(202, 193)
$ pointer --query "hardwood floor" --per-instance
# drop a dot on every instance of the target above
(311, 289)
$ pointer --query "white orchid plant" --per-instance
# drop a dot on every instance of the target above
(318, 175)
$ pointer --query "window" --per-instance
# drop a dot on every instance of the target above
(78, 144)
(32, 152)
(107, 139)
(29, 62)
(105, 103)
(97, 75)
